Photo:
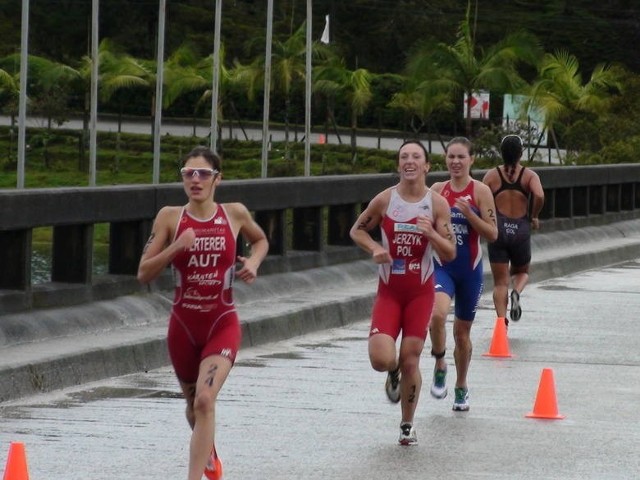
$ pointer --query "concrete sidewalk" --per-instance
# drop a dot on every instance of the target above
(49, 350)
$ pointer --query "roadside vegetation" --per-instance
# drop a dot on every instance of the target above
(591, 117)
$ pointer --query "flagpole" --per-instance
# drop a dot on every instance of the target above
(307, 103)
(215, 85)
(267, 88)
(22, 100)
(159, 80)
(93, 120)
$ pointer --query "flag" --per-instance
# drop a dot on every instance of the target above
(325, 33)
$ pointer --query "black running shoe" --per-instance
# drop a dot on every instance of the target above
(516, 309)
(392, 385)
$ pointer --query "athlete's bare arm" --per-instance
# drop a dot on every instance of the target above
(252, 233)
(439, 234)
(537, 193)
(159, 250)
(438, 186)
(490, 179)
(369, 219)
(485, 223)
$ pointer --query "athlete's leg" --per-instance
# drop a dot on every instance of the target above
(411, 379)
(384, 330)
(189, 392)
(520, 277)
(501, 279)
(185, 358)
(212, 374)
(462, 350)
(382, 352)
(438, 330)
(520, 255)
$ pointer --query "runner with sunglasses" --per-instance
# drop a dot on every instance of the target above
(199, 241)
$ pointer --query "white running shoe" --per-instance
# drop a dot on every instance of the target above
(461, 402)
(439, 384)
(408, 435)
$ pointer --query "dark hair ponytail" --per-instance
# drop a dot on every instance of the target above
(511, 149)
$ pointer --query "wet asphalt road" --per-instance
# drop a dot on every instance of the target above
(311, 407)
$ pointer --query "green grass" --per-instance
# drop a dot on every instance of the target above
(44, 235)
(53, 159)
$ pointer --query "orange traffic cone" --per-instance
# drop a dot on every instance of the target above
(546, 405)
(16, 463)
(499, 342)
(322, 139)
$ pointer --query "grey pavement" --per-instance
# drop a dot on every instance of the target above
(310, 407)
(46, 350)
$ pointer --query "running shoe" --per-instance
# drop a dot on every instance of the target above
(213, 470)
(461, 402)
(392, 385)
(408, 435)
(439, 384)
(516, 309)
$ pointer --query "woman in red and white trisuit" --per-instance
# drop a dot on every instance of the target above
(199, 241)
(414, 222)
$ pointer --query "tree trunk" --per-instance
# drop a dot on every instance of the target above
(153, 121)
(82, 161)
(468, 119)
(239, 120)
(555, 142)
(330, 109)
(287, 103)
(354, 146)
(116, 166)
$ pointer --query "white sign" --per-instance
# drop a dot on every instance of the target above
(529, 123)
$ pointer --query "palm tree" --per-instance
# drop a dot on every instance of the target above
(51, 83)
(9, 92)
(8, 83)
(335, 80)
(418, 106)
(118, 71)
(47, 78)
(465, 68)
(186, 72)
(288, 68)
(560, 94)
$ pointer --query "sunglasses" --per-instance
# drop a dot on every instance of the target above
(203, 173)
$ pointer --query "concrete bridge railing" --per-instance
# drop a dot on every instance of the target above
(307, 220)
